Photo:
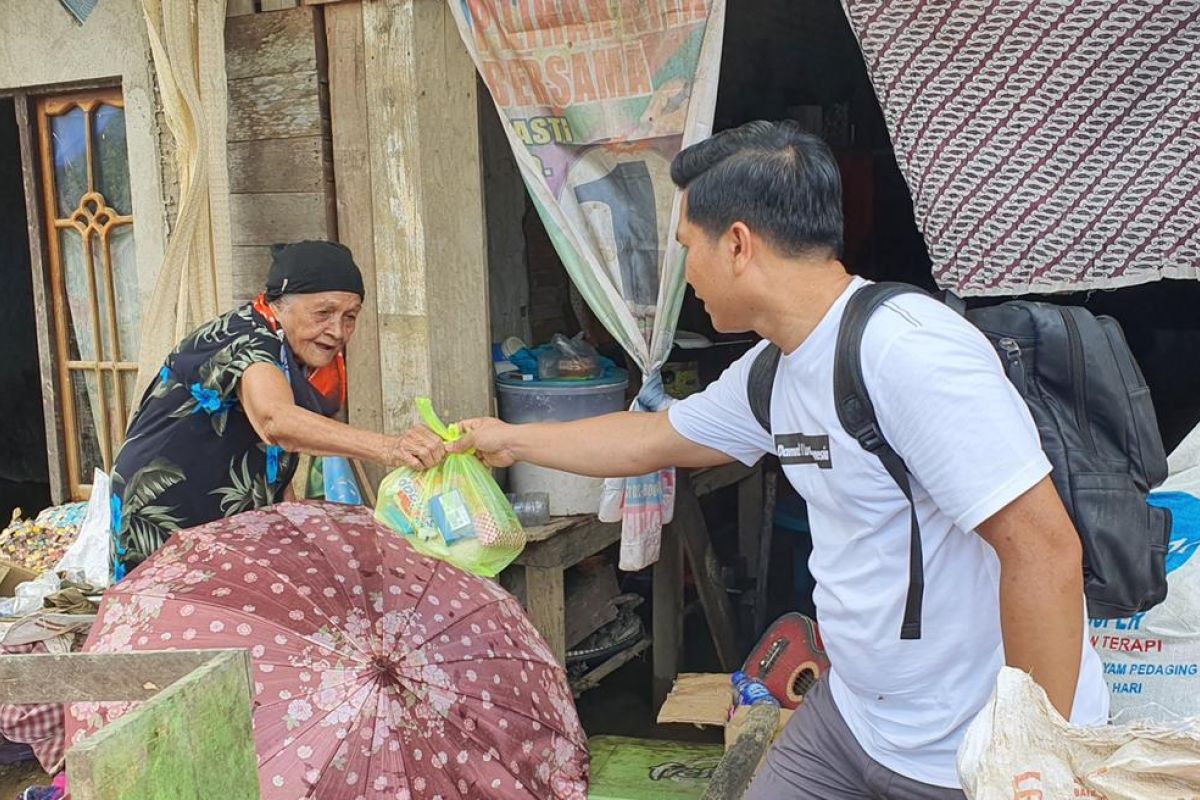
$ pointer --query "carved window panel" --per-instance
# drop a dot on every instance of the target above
(93, 273)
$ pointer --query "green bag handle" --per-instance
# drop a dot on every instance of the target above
(449, 433)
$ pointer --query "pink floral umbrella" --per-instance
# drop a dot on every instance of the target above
(379, 673)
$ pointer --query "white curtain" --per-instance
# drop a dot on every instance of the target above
(187, 42)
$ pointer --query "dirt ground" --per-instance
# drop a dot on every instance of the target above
(15, 778)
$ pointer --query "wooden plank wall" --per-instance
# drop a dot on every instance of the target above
(409, 194)
(278, 142)
(392, 171)
(237, 8)
(352, 172)
(507, 206)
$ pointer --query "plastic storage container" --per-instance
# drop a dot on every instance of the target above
(559, 401)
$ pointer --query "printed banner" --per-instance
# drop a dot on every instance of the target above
(598, 96)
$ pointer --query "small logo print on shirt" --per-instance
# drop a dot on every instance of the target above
(796, 448)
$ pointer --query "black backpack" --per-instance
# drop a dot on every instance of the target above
(1097, 425)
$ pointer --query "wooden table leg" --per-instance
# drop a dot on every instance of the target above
(697, 544)
(667, 613)
(546, 603)
(750, 519)
(749, 529)
(762, 579)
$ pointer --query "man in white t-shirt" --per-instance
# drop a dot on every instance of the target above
(762, 224)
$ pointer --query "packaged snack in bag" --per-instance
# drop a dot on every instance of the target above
(454, 512)
(567, 359)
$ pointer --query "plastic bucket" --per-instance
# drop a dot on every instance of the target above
(559, 401)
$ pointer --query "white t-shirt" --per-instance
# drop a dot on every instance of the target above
(968, 439)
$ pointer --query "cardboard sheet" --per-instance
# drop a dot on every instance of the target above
(700, 698)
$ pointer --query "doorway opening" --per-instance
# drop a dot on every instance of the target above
(24, 471)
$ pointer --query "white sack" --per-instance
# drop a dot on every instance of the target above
(1020, 748)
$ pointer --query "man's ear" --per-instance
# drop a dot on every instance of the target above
(741, 245)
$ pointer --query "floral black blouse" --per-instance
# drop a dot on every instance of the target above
(191, 455)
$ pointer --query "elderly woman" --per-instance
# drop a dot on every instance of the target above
(218, 431)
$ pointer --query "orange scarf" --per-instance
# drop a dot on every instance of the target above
(329, 380)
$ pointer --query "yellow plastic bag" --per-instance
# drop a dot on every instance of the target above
(454, 512)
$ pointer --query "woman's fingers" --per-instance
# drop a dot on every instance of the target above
(428, 456)
(425, 446)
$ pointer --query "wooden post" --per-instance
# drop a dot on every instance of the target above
(427, 212)
(718, 610)
(547, 607)
(239, 8)
(762, 580)
(749, 528)
(356, 228)
(667, 612)
(50, 386)
(750, 514)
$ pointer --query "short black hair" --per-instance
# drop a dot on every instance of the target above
(780, 181)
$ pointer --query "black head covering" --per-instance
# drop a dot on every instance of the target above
(310, 267)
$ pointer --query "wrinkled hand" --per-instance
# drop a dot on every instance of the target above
(418, 447)
(490, 438)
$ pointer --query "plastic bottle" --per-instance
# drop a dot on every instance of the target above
(751, 691)
(531, 508)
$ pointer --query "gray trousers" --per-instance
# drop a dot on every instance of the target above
(818, 758)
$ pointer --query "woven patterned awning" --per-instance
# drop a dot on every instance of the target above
(1049, 146)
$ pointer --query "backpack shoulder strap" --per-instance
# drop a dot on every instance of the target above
(857, 415)
(761, 383)
(854, 407)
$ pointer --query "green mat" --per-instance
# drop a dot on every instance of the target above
(649, 769)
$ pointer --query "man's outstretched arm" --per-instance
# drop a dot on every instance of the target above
(612, 446)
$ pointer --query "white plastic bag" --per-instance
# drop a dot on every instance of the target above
(88, 557)
(1020, 748)
(28, 597)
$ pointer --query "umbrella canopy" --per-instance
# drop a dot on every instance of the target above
(378, 672)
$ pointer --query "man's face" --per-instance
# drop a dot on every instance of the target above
(709, 271)
(319, 325)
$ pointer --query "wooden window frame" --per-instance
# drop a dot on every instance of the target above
(62, 447)
(93, 216)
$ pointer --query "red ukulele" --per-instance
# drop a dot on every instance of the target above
(789, 658)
